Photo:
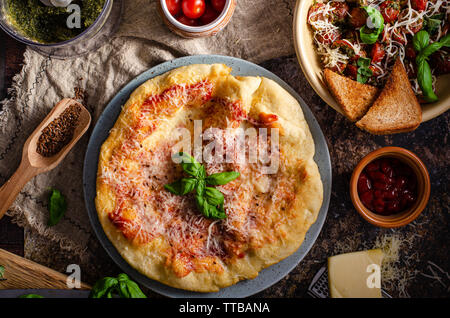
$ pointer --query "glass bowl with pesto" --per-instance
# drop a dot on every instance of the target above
(35, 24)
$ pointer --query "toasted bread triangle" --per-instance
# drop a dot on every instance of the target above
(354, 98)
(396, 109)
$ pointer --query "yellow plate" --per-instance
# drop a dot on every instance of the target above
(312, 68)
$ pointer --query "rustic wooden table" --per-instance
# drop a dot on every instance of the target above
(344, 229)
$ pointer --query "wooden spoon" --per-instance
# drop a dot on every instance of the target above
(32, 162)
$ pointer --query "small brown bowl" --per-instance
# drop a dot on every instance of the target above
(187, 31)
(423, 188)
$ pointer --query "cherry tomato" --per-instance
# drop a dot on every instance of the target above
(174, 6)
(185, 20)
(340, 11)
(419, 5)
(377, 52)
(209, 16)
(218, 5)
(193, 9)
(390, 10)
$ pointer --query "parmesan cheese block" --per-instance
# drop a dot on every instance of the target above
(355, 275)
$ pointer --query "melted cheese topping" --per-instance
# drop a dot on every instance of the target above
(144, 210)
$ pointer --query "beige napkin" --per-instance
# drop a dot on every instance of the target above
(259, 30)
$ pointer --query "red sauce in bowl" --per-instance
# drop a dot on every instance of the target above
(387, 186)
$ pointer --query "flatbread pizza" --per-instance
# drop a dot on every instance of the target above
(267, 209)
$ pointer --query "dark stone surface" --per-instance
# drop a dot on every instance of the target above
(428, 236)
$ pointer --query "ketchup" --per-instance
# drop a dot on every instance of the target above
(387, 186)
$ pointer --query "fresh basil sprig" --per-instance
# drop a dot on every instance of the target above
(123, 286)
(369, 33)
(2, 272)
(364, 72)
(208, 200)
(424, 77)
(57, 206)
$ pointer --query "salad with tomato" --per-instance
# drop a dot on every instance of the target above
(362, 39)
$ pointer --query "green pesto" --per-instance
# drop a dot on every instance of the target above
(48, 24)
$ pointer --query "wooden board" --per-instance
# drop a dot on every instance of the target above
(21, 273)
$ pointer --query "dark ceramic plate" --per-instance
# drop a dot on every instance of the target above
(266, 277)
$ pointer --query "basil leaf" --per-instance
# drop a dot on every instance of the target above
(369, 33)
(421, 40)
(445, 41)
(209, 210)
(128, 288)
(376, 18)
(217, 213)
(222, 178)
(364, 72)
(368, 37)
(425, 81)
(2, 272)
(182, 186)
(104, 287)
(430, 49)
(200, 188)
(202, 205)
(190, 165)
(363, 62)
(213, 196)
(433, 47)
(57, 207)
(31, 296)
(432, 24)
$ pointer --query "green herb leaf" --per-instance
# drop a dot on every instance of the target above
(128, 288)
(2, 272)
(432, 24)
(369, 33)
(104, 288)
(182, 186)
(222, 178)
(31, 296)
(433, 47)
(421, 40)
(200, 188)
(363, 62)
(209, 210)
(364, 72)
(57, 207)
(209, 200)
(425, 81)
(213, 196)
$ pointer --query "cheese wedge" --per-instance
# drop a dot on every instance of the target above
(355, 275)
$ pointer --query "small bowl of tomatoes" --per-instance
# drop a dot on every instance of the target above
(390, 187)
(196, 18)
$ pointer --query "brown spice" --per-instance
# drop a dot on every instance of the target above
(59, 132)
